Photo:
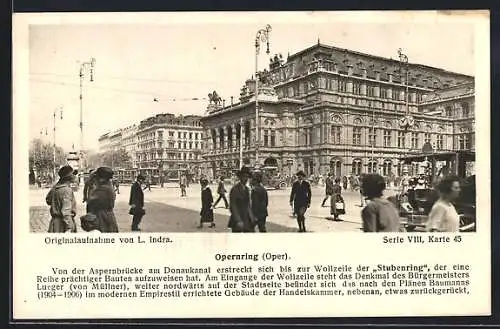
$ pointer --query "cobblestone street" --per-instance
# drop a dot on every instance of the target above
(166, 211)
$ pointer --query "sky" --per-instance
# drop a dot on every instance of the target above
(177, 57)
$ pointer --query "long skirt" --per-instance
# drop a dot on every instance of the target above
(107, 221)
(207, 215)
(58, 225)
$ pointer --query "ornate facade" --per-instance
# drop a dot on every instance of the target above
(330, 109)
(167, 143)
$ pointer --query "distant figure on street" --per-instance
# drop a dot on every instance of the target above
(116, 185)
(344, 182)
(259, 201)
(61, 200)
(183, 184)
(221, 190)
(136, 202)
(300, 199)
(241, 219)
(207, 212)
(328, 188)
(337, 199)
(379, 215)
(102, 201)
(147, 181)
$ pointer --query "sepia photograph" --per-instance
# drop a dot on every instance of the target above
(325, 127)
(143, 140)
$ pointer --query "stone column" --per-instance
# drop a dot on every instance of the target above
(242, 134)
(234, 141)
(217, 138)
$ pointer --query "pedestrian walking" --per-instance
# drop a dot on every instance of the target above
(241, 219)
(328, 188)
(443, 216)
(182, 184)
(259, 200)
(344, 182)
(300, 199)
(116, 185)
(221, 190)
(379, 215)
(147, 181)
(61, 200)
(102, 201)
(337, 206)
(136, 202)
(88, 186)
(207, 212)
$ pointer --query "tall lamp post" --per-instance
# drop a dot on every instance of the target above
(262, 36)
(54, 114)
(407, 121)
(84, 68)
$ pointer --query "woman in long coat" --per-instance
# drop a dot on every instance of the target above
(102, 201)
(207, 200)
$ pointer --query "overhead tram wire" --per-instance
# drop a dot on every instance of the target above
(139, 92)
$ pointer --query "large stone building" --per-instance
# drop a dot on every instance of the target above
(330, 109)
(167, 144)
(123, 138)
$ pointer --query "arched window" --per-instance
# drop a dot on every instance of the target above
(372, 166)
(387, 168)
(465, 110)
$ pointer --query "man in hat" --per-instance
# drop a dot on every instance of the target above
(89, 185)
(136, 202)
(61, 200)
(221, 190)
(300, 199)
(259, 200)
(241, 219)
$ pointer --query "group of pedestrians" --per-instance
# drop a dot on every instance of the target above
(99, 195)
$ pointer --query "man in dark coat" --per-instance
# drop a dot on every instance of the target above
(328, 188)
(241, 219)
(300, 199)
(89, 185)
(259, 201)
(207, 212)
(221, 190)
(136, 202)
(61, 200)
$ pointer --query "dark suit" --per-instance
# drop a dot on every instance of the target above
(221, 190)
(241, 219)
(259, 206)
(301, 199)
(137, 199)
(206, 213)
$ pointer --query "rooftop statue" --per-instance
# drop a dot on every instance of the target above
(214, 98)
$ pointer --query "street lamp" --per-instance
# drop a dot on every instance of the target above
(262, 36)
(84, 68)
(407, 121)
(59, 108)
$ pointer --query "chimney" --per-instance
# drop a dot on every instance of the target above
(223, 103)
(231, 100)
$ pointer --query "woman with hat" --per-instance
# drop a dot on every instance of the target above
(102, 201)
(61, 200)
(207, 212)
(300, 199)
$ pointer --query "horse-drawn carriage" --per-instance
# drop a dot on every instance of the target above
(415, 203)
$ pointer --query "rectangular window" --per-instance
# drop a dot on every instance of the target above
(356, 136)
(342, 85)
(356, 88)
(395, 94)
(371, 137)
(383, 93)
(401, 139)
(178, 135)
(266, 138)
(414, 140)
(273, 138)
(184, 144)
(179, 144)
(387, 138)
(370, 91)
(336, 134)
(427, 138)
(185, 134)
(439, 142)
(190, 135)
(190, 145)
(171, 133)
